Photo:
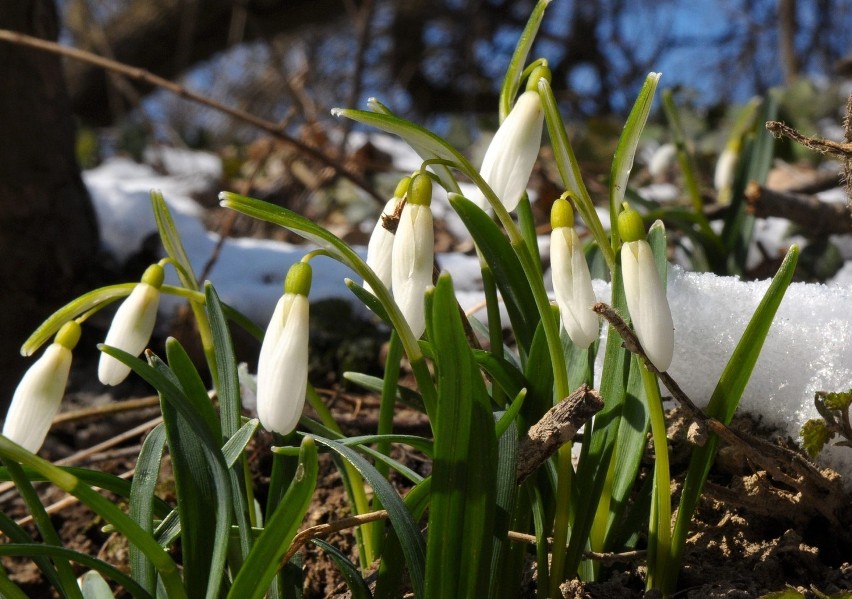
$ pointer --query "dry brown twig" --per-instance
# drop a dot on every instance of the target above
(818, 218)
(149, 78)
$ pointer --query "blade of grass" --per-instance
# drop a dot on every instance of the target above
(723, 403)
(105, 508)
(142, 503)
(461, 513)
(264, 560)
(357, 587)
(512, 79)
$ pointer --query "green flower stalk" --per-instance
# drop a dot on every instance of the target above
(644, 292)
(38, 395)
(512, 153)
(282, 369)
(572, 282)
(380, 246)
(132, 325)
(414, 254)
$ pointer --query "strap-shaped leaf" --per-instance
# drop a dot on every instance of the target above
(264, 560)
(463, 498)
(508, 272)
(724, 401)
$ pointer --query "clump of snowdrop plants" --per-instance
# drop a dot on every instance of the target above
(481, 397)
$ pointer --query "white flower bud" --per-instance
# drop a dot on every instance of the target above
(380, 247)
(282, 368)
(38, 395)
(413, 258)
(724, 176)
(132, 325)
(647, 303)
(512, 153)
(572, 285)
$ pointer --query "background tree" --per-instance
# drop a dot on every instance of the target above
(48, 232)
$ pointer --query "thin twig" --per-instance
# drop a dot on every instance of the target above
(153, 80)
(113, 407)
(322, 530)
(817, 144)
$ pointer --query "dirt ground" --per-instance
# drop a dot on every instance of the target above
(744, 541)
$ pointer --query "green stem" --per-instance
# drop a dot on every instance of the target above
(660, 526)
(561, 524)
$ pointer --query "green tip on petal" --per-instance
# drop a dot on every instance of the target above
(298, 279)
(420, 190)
(154, 276)
(630, 225)
(68, 335)
(540, 72)
(561, 214)
(402, 187)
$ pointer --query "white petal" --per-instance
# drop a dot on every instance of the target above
(37, 398)
(647, 303)
(724, 175)
(413, 257)
(275, 328)
(510, 157)
(130, 331)
(380, 247)
(572, 285)
(283, 378)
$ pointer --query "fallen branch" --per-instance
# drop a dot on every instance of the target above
(149, 78)
(817, 217)
(817, 144)
(556, 427)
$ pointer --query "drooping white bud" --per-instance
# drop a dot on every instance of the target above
(645, 294)
(723, 178)
(512, 153)
(572, 283)
(37, 397)
(413, 254)
(380, 246)
(132, 325)
(282, 370)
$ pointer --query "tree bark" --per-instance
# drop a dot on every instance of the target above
(48, 230)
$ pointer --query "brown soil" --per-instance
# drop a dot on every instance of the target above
(734, 550)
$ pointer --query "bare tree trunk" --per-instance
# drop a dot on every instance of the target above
(787, 39)
(48, 231)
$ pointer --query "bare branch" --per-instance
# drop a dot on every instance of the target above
(149, 78)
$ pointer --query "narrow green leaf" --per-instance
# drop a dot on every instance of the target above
(258, 571)
(228, 385)
(411, 541)
(505, 265)
(512, 79)
(461, 513)
(356, 585)
(569, 170)
(234, 447)
(171, 240)
(724, 401)
(622, 162)
(142, 503)
(105, 508)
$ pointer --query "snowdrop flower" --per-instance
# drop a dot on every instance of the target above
(37, 398)
(132, 325)
(380, 246)
(512, 153)
(414, 253)
(572, 282)
(644, 291)
(282, 368)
